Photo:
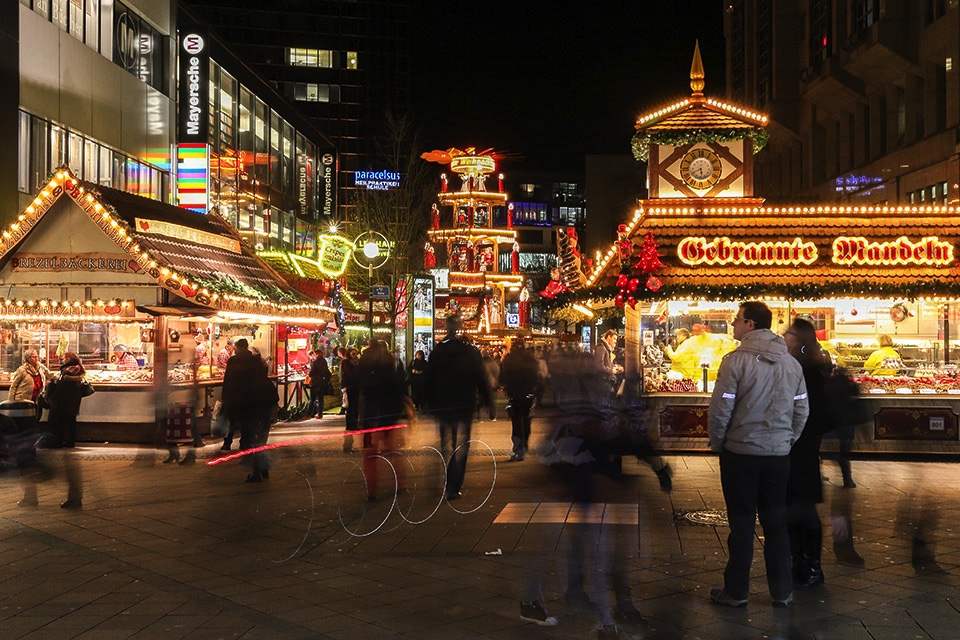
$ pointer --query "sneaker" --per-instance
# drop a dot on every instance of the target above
(608, 632)
(535, 613)
(516, 458)
(720, 596)
(783, 604)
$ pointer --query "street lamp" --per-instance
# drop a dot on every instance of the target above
(374, 249)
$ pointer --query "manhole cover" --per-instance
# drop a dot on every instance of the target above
(706, 517)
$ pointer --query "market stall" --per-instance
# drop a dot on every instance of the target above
(865, 276)
(108, 275)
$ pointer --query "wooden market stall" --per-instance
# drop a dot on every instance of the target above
(702, 243)
(86, 268)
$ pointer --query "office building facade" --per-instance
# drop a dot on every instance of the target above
(342, 63)
(863, 96)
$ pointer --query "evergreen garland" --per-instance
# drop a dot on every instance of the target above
(641, 141)
(760, 290)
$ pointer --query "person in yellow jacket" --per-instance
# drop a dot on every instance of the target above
(885, 354)
(701, 347)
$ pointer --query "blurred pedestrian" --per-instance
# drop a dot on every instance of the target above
(841, 528)
(491, 365)
(63, 394)
(382, 393)
(249, 398)
(757, 411)
(319, 383)
(417, 378)
(519, 378)
(350, 384)
(456, 376)
(28, 381)
(805, 487)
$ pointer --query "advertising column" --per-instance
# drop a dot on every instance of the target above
(422, 306)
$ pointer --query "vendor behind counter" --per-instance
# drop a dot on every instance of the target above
(701, 347)
(885, 361)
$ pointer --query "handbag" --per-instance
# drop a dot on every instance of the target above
(86, 389)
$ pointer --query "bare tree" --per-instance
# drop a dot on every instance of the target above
(402, 214)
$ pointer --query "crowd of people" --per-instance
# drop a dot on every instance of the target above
(770, 407)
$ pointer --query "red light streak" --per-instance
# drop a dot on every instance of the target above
(290, 443)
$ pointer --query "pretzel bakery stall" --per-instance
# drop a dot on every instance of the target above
(109, 275)
(702, 243)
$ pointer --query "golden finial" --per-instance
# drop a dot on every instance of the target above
(696, 72)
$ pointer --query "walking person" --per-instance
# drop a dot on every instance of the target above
(456, 376)
(757, 412)
(350, 388)
(382, 393)
(519, 378)
(805, 488)
(28, 380)
(64, 395)
(319, 381)
(248, 399)
(417, 377)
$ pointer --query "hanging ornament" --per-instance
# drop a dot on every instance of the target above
(853, 312)
(633, 284)
(654, 283)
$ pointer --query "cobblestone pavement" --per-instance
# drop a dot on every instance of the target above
(191, 551)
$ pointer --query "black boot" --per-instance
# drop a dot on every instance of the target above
(172, 456)
(811, 575)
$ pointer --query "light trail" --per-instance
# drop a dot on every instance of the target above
(290, 443)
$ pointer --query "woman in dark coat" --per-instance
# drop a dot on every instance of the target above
(805, 488)
(64, 398)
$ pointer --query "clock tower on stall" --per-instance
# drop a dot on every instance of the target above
(700, 147)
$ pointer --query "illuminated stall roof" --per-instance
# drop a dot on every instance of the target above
(200, 258)
(798, 252)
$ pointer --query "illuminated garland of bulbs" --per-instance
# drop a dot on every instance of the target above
(765, 290)
(63, 180)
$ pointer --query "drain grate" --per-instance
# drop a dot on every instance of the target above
(703, 517)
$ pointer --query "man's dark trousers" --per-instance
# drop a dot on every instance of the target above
(752, 486)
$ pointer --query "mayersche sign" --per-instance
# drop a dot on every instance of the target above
(377, 180)
(193, 102)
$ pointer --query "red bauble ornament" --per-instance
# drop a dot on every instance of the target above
(654, 283)
(621, 281)
(633, 284)
(619, 300)
(853, 312)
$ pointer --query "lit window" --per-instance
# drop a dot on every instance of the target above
(299, 57)
(351, 59)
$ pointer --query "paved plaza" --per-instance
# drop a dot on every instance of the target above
(191, 551)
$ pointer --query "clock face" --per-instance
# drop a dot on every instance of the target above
(700, 168)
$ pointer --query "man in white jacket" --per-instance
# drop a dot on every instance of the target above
(757, 411)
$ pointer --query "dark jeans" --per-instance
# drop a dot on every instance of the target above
(315, 408)
(254, 429)
(454, 433)
(806, 532)
(752, 486)
(519, 412)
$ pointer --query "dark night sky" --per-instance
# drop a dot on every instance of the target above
(550, 82)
